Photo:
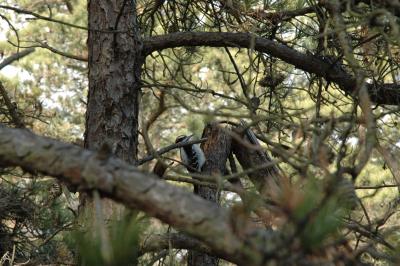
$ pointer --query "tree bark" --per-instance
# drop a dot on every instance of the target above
(124, 183)
(265, 180)
(387, 93)
(216, 150)
(114, 80)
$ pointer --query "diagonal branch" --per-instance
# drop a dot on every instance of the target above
(38, 16)
(59, 52)
(124, 183)
(379, 93)
(16, 57)
(167, 149)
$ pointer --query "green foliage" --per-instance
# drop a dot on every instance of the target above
(319, 215)
(120, 246)
(32, 214)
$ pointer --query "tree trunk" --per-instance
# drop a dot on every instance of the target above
(216, 150)
(266, 180)
(114, 80)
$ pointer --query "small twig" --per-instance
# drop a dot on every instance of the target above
(376, 187)
(38, 16)
(12, 28)
(195, 89)
(160, 110)
(56, 51)
(62, 228)
(26, 12)
(12, 108)
(151, 120)
(159, 256)
(239, 75)
(167, 149)
(226, 186)
(51, 49)
(366, 232)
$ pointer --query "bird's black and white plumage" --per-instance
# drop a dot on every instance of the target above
(192, 155)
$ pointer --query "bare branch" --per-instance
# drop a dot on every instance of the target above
(376, 187)
(284, 15)
(379, 93)
(9, 60)
(56, 51)
(44, 45)
(38, 16)
(167, 149)
(26, 12)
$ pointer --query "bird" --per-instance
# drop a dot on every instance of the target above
(192, 156)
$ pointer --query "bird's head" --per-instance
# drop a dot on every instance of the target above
(183, 138)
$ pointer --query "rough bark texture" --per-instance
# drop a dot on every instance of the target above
(216, 150)
(379, 93)
(114, 78)
(266, 179)
(124, 183)
(114, 82)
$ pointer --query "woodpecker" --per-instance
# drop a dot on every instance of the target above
(191, 155)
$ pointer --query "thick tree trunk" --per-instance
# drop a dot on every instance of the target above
(216, 149)
(114, 79)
